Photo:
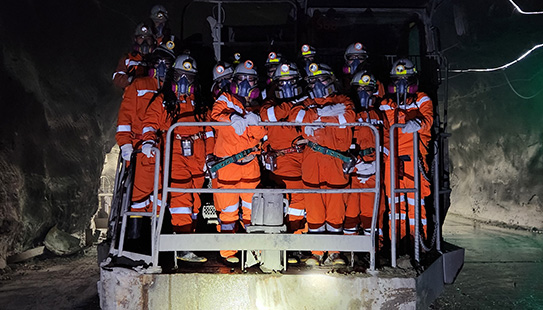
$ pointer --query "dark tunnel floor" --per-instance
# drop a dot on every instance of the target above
(503, 269)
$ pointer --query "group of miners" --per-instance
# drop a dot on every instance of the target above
(162, 88)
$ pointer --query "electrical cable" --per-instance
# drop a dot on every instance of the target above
(516, 93)
(522, 12)
(501, 67)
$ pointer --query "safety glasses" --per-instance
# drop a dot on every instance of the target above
(315, 79)
(366, 88)
(178, 74)
(160, 61)
(148, 39)
(249, 78)
(292, 81)
(357, 56)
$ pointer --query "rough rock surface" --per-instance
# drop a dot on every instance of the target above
(61, 243)
(495, 118)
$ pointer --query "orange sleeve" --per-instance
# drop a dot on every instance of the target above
(127, 113)
(349, 116)
(120, 77)
(222, 109)
(426, 111)
(275, 113)
(154, 120)
(303, 113)
(209, 135)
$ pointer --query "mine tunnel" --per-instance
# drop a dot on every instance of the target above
(59, 152)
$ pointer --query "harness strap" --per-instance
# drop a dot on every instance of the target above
(232, 159)
(368, 151)
(196, 136)
(327, 151)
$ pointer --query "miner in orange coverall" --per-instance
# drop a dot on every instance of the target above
(272, 62)
(325, 212)
(356, 59)
(406, 105)
(136, 99)
(133, 64)
(158, 19)
(231, 140)
(360, 205)
(190, 145)
(282, 156)
(222, 77)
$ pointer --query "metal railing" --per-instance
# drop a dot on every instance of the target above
(179, 242)
(202, 242)
(393, 191)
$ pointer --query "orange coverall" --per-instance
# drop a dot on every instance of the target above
(418, 106)
(130, 66)
(288, 173)
(136, 98)
(325, 212)
(360, 205)
(186, 171)
(235, 175)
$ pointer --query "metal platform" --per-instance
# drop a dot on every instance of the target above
(215, 286)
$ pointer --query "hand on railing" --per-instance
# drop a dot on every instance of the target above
(411, 126)
(252, 119)
(126, 151)
(238, 123)
(310, 130)
(147, 148)
(364, 171)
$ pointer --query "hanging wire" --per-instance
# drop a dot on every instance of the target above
(517, 93)
(501, 67)
(521, 11)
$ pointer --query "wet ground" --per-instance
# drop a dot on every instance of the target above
(503, 267)
(503, 270)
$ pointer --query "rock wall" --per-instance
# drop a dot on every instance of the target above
(58, 114)
(496, 117)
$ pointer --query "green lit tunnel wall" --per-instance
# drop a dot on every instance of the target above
(496, 118)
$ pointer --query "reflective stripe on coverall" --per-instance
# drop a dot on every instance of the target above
(418, 106)
(136, 98)
(288, 173)
(186, 171)
(130, 65)
(325, 212)
(360, 205)
(235, 175)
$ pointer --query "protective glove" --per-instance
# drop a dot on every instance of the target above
(365, 169)
(239, 123)
(331, 110)
(310, 130)
(362, 179)
(411, 126)
(252, 119)
(126, 151)
(146, 148)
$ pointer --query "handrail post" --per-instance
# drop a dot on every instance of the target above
(154, 234)
(392, 196)
(417, 204)
(437, 196)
